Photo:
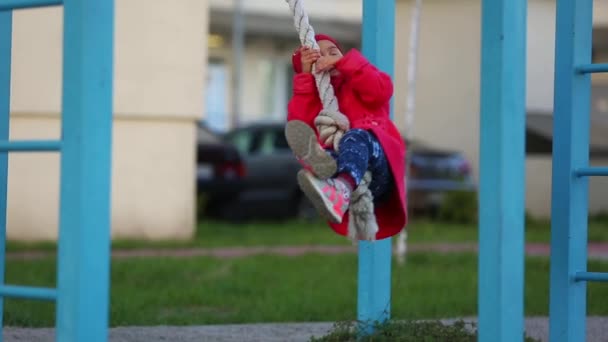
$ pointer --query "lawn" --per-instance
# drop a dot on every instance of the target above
(221, 234)
(280, 289)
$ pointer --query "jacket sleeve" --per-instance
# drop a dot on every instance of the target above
(305, 100)
(373, 86)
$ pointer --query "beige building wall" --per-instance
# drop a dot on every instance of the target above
(447, 88)
(600, 12)
(160, 62)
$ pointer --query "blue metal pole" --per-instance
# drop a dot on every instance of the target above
(502, 171)
(84, 237)
(9, 5)
(6, 25)
(28, 292)
(30, 146)
(591, 276)
(567, 308)
(591, 171)
(374, 291)
(593, 68)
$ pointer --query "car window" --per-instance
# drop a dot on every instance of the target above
(263, 142)
(273, 141)
(267, 143)
(242, 140)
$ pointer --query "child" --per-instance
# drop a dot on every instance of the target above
(372, 143)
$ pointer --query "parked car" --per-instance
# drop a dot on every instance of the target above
(434, 173)
(220, 168)
(267, 185)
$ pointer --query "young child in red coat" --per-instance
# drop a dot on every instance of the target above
(372, 143)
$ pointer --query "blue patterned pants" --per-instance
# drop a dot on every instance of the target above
(360, 151)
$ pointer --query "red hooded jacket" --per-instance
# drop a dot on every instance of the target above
(364, 94)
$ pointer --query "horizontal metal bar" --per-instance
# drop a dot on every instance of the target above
(591, 276)
(28, 292)
(7, 5)
(30, 146)
(591, 171)
(592, 68)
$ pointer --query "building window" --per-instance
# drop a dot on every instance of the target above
(216, 104)
(274, 88)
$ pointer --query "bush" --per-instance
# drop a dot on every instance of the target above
(599, 218)
(407, 331)
(459, 207)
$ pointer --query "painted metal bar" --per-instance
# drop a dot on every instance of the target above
(8, 5)
(374, 279)
(6, 25)
(84, 234)
(28, 292)
(591, 171)
(591, 276)
(592, 68)
(30, 146)
(567, 308)
(502, 171)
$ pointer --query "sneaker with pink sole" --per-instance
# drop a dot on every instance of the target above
(331, 197)
(302, 140)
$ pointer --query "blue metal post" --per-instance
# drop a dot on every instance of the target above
(8, 5)
(570, 151)
(374, 297)
(6, 24)
(502, 171)
(84, 237)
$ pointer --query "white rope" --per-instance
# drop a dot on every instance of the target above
(323, 81)
(331, 125)
(362, 224)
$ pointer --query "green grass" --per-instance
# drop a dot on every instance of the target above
(281, 289)
(219, 234)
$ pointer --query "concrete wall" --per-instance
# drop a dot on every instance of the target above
(160, 63)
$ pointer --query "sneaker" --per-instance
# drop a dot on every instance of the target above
(302, 140)
(331, 197)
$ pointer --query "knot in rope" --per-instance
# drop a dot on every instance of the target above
(331, 126)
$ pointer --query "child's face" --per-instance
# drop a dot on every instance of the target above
(329, 49)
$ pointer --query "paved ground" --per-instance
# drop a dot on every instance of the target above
(595, 251)
(597, 331)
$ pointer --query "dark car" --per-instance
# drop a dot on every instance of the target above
(220, 168)
(268, 186)
(434, 173)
